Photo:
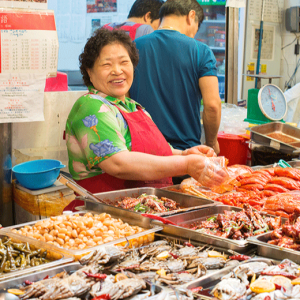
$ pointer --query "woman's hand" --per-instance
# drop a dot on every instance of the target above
(205, 171)
(201, 149)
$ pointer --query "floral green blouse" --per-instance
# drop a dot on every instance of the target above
(96, 130)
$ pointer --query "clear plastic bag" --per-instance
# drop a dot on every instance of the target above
(214, 172)
(232, 119)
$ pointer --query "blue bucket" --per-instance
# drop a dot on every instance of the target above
(38, 174)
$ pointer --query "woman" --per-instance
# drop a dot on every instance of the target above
(112, 141)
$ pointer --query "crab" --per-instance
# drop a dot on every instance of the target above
(124, 288)
(63, 286)
(155, 248)
(229, 289)
(181, 277)
(131, 262)
(172, 265)
(185, 252)
(208, 262)
(103, 255)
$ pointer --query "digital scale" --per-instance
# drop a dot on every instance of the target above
(265, 104)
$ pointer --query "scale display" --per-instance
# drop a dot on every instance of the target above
(272, 102)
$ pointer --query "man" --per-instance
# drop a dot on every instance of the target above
(174, 72)
(143, 18)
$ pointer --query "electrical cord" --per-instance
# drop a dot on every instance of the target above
(289, 43)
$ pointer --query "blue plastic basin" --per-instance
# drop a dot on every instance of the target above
(38, 174)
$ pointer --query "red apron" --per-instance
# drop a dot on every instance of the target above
(131, 30)
(145, 138)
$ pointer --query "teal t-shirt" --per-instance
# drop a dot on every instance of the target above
(167, 77)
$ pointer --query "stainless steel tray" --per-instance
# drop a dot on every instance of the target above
(57, 257)
(259, 134)
(15, 283)
(273, 251)
(209, 281)
(185, 219)
(293, 164)
(186, 201)
(129, 217)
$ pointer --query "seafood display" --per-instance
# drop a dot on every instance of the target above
(273, 190)
(259, 281)
(79, 231)
(238, 225)
(18, 256)
(87, 282)
(148, 204)
(162, 261)
(288, 236)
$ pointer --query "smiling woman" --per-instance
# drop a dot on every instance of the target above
(112, 141)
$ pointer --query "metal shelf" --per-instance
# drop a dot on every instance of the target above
(214, 21)
(217, 48)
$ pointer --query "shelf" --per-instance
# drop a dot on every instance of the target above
(217, 48)
(215, 21)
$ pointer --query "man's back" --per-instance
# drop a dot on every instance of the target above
(167, 83)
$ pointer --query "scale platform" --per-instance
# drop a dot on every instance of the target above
(56, 186)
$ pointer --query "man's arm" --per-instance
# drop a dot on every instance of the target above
(212, 110)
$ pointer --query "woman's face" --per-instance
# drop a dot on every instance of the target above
(112, 73)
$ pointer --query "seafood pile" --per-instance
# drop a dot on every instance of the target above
(86, 283)
(79, 232)
(273, 190)
(258, 281)
(18, 256)
(238, 225)
(147, 204)
(161, 261)
(288, 236)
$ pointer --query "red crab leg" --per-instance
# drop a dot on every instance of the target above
(285, 274)
(104, 296)
(197, 289)
(240, 257)
(98, 276)
(127, 268)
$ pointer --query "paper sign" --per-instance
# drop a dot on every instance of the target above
(22, 97)
(236, 3)
(29, 4)
(28, 42)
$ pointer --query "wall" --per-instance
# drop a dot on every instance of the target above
(74, 27)
(288, 58)
(36, 140)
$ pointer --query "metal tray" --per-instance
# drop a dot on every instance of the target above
(56, 256)
(209, 281)
(15, 283)
(273, 251)
(129, 217)
(186, 201)
(293, 164)
(259, 134)
(185, 219)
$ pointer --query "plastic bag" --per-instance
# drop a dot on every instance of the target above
(214, 172)
(292, 97)
(232, 119)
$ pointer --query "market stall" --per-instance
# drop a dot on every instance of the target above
(229, 232)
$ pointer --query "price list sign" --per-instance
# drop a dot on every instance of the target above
(28, 42)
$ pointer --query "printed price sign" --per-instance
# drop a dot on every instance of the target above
(28, 42)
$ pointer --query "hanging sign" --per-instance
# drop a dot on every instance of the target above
(28, 42)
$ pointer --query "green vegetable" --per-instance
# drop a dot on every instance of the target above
(213, 218)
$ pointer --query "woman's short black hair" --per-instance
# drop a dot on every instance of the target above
(142, 7)
(100, 38)
(181, 8)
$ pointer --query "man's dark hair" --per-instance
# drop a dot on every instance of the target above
(141, 7)
(101, 38)
(181, 8)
